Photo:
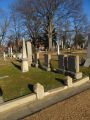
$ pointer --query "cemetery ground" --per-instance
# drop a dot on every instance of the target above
(19, 84)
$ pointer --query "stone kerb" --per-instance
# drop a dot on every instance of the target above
(39, 90)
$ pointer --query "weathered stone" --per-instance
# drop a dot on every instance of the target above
(24, 67)
(68, 81)
(73, 64)
(78, 75)
(47, 60)
(37, 59)
(29, 52)
(62, 62)
(39, 90)
(4, 56)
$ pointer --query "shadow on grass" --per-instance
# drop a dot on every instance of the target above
(30, 86)
(1, 92)
(17, 66)
(60, 80)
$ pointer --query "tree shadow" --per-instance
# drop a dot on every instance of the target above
(60, 80)
(17, 66)
(30, 86)
(1, 92)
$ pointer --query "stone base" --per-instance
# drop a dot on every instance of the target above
(78, 75)
(1, 100)
(29, 63)
(36, 65)
(24, 66)
(46, 68)
(87, 63)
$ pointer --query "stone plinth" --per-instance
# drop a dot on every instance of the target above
(39, 90)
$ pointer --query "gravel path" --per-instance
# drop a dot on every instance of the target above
(75, 108)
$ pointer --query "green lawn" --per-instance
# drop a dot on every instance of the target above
(19, 84)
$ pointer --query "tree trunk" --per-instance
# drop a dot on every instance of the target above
(50, 35)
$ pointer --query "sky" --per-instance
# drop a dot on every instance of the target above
(86, 6)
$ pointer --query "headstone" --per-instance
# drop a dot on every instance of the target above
(62, 44)
(39, 90)
(47, 59)
(73, 66)
(9, 51)
(87, 62)
(62, 62)
(58, 49)
(1, 96)
(68, 81)
(24, 66)
(37, 59)
(29, 52)
(4, 56)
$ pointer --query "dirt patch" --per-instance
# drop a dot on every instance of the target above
(75, 108)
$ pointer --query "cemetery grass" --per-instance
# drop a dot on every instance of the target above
(19, 84)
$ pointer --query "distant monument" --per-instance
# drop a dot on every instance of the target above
(87, 63)
(24, 66)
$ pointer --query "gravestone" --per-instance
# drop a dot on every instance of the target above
(37, 59)
(73, 66)
(29, 52)
(24, 66)
(4, 56)
(9, 51)
(1, 96)
(47, 61)
(87, 62)
(39, 90)
(62, 62)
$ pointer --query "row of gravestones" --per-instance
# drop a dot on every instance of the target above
(66, 64)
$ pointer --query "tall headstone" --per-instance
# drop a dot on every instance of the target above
(9, 51)
(4, 56)
(24, 66)
(62, 44)
(87, 62)
(36, 59)
(29, 52)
